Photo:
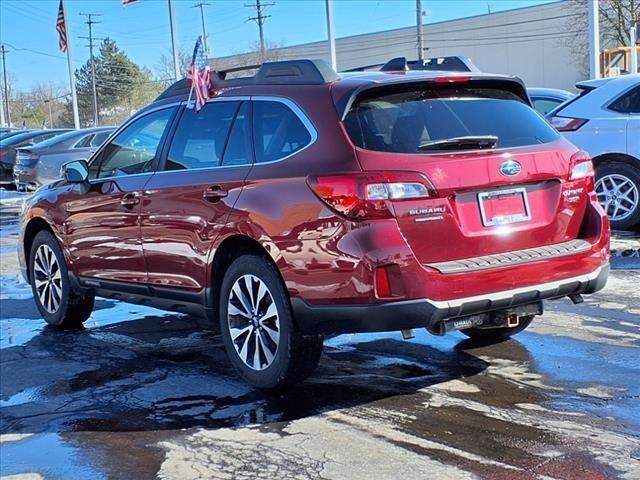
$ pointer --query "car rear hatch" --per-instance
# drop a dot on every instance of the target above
(497, 176)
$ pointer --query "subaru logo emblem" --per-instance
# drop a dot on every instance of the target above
(510, 168)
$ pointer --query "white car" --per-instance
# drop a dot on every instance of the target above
(604, 120)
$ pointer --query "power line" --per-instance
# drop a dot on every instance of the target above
(259, 19)
(90, 22)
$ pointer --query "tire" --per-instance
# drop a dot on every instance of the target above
(495, 335)
(610, 177)
(62, 307)
(284, 356)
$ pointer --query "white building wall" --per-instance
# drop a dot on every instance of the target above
(527, 42)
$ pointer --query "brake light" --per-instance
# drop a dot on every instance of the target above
(452, 79)
(3, 153)
(369, 195)
(581, 166)
(567, 124)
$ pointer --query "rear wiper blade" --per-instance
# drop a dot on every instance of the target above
(472, 141)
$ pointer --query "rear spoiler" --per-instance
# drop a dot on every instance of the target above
(512, 84)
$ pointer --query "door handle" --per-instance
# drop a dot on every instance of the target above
(214, 194)
(129, 200)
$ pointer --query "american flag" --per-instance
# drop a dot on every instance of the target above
(62, 29)
(199, 75)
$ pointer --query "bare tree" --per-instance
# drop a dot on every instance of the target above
(272, 53)
(616, 18)
(165, 70)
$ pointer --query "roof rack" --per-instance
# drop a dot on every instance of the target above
(401, 64)
(287, 72)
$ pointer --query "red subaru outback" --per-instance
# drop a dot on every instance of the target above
(298, 203)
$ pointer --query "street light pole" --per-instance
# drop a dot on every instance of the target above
(6, 88)
(331, 35)
(419, 30)
(174, 39)
(594, 39)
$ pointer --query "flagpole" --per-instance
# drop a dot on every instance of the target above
(72, 81)
(174, 37)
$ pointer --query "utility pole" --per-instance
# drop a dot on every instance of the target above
(6, 88)
(204, 30)
(92, 22)
(331, 35)
(174, 39)
(419, 30)
(594, 39)
(2, 121)
(260, 18)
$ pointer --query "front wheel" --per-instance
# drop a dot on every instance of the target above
(55, 298)
(258, 329)
(499, 334)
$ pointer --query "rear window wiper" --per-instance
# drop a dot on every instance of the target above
(472, 141)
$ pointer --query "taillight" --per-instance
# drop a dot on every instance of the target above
(581, 166)
(369, 195)
(3, 153)
(567, 124)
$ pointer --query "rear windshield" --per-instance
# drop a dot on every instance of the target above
(415, 121)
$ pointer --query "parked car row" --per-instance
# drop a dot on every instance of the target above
(31, 158)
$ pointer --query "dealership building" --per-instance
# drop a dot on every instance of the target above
(528, 42)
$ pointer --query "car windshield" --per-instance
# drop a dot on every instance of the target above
(432, 119)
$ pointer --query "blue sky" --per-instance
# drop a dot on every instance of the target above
(142, 29)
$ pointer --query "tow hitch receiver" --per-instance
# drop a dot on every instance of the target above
(502, 318)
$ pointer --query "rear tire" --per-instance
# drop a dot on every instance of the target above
(55, 298)
(255, 316)
(623, 180)
(495, 335)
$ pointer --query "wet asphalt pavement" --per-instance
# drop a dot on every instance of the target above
(141, 393)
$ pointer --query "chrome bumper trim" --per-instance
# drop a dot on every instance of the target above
(511, 258)
(542, 288)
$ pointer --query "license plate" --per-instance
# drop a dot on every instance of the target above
(503, 207)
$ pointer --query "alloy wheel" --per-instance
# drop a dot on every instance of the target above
(47, 278)
(618, 196)
(254, 323)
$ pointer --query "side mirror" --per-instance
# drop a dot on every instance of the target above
(76, 171)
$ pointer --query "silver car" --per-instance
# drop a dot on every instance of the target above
(39, 164)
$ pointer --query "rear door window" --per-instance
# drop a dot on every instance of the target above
(200, 137)
(238, 150)
(277, 131)
(416, 120)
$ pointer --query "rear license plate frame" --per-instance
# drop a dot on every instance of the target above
(508, 219)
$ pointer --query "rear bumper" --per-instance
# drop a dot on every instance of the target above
(394, 316)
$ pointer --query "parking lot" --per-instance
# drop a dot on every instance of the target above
(142, 393)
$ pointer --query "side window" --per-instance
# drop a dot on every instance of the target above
(135, 149)
(628, 103)
(99, 138)
(238, 151)
(201, 136)
(277, 131)
(545, 105)
(84, 142)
